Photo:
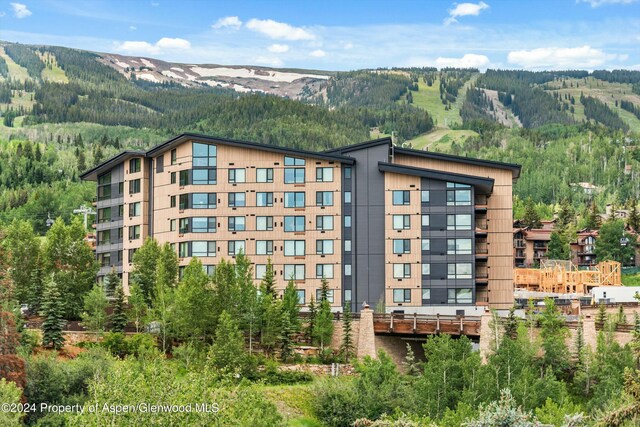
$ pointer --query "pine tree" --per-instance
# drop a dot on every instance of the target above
(634, 216)
(511, 325)
(566, 215)
(53, 313)
(268, 284)
(286, 338)
(579, 345)
(601, 317)
(290, 306)
(323, 328)
(118, 318)
(558, 247)
(311, 319)
(531, 218)
(227, 350)
(621, 319)
(111, 281)
(410, 362)
(271, 322)
(592, 221)
(347, 348)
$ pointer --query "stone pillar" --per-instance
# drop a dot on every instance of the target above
(486, 335)
(366, 335)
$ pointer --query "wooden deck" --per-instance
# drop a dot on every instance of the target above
(422, 324)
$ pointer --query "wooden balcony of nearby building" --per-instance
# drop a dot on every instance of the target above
(423, 324)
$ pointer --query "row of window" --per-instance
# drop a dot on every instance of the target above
(454, 296)
(292, 199)
(460, 270)
(455, 196)
(454, 221)
(107, 237)
(454, 246)
(263, 247)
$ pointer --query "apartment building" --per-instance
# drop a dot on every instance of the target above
(420, 231)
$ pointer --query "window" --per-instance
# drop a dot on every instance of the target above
(120, 234)
(183, 225)
(172, 225)
(135, 165)
(459, 271)
(104, 215)
(235, 247)
(401, 246)
(301, 298)
(134, 186)
(264, 199)
(236, 176)
(135, 209)
(401, 295)
(294, 175)
(204, 201)
(401, 222)
(104, 237)
(426, 245)
(293, 223)
(294, 247)
(401, 271)
(347, 221)
(184, 178)
(329, 295)
(459, 246)
(424, 196)
(204, 154)
(347, 245)
(294, 199)
(204, 176)
(105, 179)
(131, 253)
(264, 175)
(324, 222)
(183, 249)
(264, 223)
(324, 198)
(324, 174)
(347, 173)
(324, 270)
(120, 211)
(426, 269)
(293, 161)
(459, 222)
(203, 248)
(121, 188)
(203, 224)
(347, 196)
(426, 294)
(173, 177)
(347, 269)
(264, 247)
(104, 187)
(183, 202)
(260, 269)
(134, 232)
(174, 156)
(460, 296)
(458, 197)
(324, 247)
(347, 295)
(236, 223)
(401, 197)
(237, 200)
(295, 271)
(172, 201)
(425, 220)
(209, 270)
(104, 259)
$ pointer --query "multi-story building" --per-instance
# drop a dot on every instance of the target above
(420, 231)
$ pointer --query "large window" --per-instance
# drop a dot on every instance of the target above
(264, 199)
(347, 173)
(295, 271)
(135, 209)
(203, 224)
(324, 198)
(264, 175)
(264, 223)
(134, 186)
(324, 222)
(459, 222)
(293, 223)
(401, 295)
(183, 249)
(237, 200)
(461, 270)
(237, 176)
(324, 174)
(301, 297)
(347, 221)
(183, 202)
(458, 194)
(237, 223)
(260, 269)
(104, 215)
(204, 200)
(401, 246)
(426, 220)
(324, 270)
(293, 161)
(234, 247)
(104, 237)
(294, 199)
(294, 248)
(203, 248)
(459, 246)
(184, 177)
(401, 271)
(204, 155)
(135, 165)
(183, 225)
(426, 245)
(401, 197)
(426, 269)
(424, 196)
(209, 270)
(134, 232)
(264, 247)
(401, 222)
(204, 176)
(329, 295)
(294, 175)
(324, 247)
(459, 296)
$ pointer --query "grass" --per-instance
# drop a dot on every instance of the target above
(440, 139)
(16, 72)
(52, 72)
(631, 280)
(294, 403)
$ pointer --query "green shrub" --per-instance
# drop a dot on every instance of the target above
(9, 393)
(337, 403)
(115, 343)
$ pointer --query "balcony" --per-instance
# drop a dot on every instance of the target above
(519, 244)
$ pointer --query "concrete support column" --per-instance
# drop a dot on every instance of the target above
(366, 335)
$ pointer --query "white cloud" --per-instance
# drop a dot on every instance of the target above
(597, 3)
(561, 57)
(20, 10)
(469, 60)
(465, 9)
(348, 46)
(278, 30)
(228, 21)
(133, 27)
(142, 47)
(155, 4)
(278, 48)
(318, 53)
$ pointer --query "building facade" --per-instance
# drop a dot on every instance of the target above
(418, 231)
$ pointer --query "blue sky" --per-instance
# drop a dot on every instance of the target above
(341, 35)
